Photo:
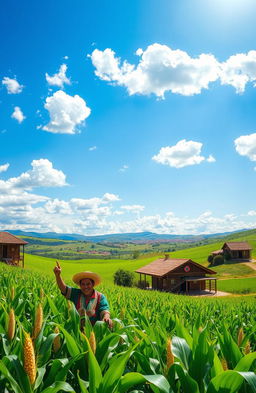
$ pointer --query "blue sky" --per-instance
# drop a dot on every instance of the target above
(128, 116)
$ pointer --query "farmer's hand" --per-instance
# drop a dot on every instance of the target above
(107, 319)
(57, 269)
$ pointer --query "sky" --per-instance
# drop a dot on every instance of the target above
(128, 116)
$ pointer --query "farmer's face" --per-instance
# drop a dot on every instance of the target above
(86, 286)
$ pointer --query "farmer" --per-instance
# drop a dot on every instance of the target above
(87, 300)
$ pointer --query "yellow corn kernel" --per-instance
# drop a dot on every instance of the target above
(240, 336)
(92, 341)
(29, 360)
(38, 321)
(224, 364)
(11, 324)
(169, 354)
(247, 348)
(56, 341)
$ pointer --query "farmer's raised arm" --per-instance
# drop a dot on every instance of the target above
(57, 271)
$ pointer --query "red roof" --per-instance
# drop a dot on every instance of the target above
(238, 246)
(161, 267)
(8, 238)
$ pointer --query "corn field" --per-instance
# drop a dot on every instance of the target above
(159, 342)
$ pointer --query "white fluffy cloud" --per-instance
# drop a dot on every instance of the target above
(18, 114)
(12, 85)
(238, 70)
(4, 167)
(161, 69)
(60, 78)
(92, 148)
(42, 174)
(66, 113)
(246, 146)
(184, 153)
(21, 209)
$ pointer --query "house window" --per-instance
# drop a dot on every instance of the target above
(172, 282)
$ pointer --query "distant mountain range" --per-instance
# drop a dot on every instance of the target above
(141, 237)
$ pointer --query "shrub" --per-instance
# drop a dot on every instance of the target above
(124, 278)
(210, 259)
(227, 255)
(218, 260)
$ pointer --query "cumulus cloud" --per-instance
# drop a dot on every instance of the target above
(42, 174)
(12, 85)
(251, 213)
(211, 159)
(66, 113)
(245, 145)
(4, 167)
(18, 114)
(161, 69)
(60, 78)
(92, 148)
(184, 153)
(238, 70)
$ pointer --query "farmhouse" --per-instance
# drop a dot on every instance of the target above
(240, 251)
(177, 275)
(10, 249)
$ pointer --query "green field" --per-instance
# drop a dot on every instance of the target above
(238, 285)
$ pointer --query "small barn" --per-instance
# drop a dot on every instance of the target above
(11, 249)
(236, 250)
(177, 275)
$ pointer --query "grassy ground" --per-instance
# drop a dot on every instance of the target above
(239, 285)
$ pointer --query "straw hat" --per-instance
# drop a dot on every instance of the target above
(80, 276)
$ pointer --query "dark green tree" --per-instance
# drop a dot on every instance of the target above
(124, 278)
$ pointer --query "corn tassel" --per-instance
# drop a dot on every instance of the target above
(41, 293)
(169, 354)
(11, 324)
(240, 337)
(56, 341)
(92, 342)
(38, 321)
(29, 360)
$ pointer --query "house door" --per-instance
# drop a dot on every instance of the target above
(240, 254)
(5, 252)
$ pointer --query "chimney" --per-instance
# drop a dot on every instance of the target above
(166, 256)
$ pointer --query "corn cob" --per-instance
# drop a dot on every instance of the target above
(41, 293)
(38, 321)
(56, 341)
(247, 348)
(12, 293)
(224, 364)
(29, 360)
(240, 336)
(169, 354)
(11, 324)
(92, 342)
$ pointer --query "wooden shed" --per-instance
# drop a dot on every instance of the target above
(11, 249)
(237, 250)
(177, 275)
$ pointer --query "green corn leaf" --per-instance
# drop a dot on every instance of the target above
(40, 375)
(231, 381)
(115, 371)
(56, 366)
(217, 366)
(95, 376)
(246, 362)
(187, 383)
(229, 348)
(57, 386)
(82, 384)
(16, 388)
(132, 379)
(70, 341)
(181, 331)
(181, 350)
(13, 363)
(44, 352)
